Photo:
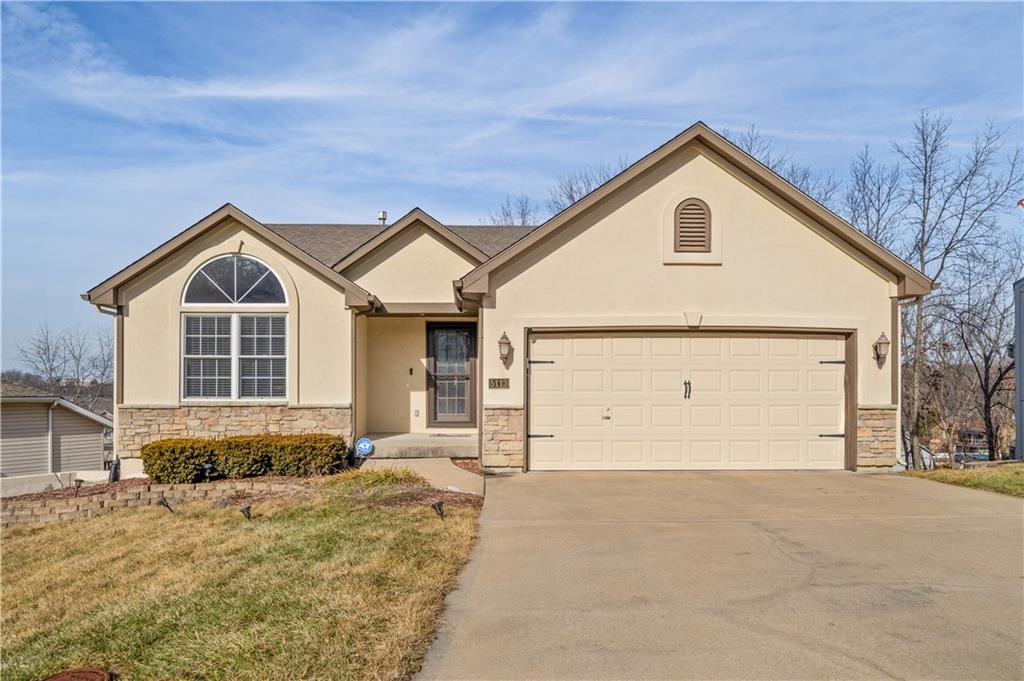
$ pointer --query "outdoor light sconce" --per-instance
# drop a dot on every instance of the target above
(504, 348)
(881, 348)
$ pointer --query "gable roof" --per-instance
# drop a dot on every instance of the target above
(413, 217)
(330, 243)
(16, 392)
(104, 292)
(911, 282)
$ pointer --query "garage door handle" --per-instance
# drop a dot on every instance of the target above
(831, 434)
(686, 390)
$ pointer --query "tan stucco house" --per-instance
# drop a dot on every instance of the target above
(694, 312)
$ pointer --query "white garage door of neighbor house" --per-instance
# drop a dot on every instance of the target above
(646, 401)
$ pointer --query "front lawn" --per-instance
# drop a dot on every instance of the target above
(345, 582)
(1005, 479)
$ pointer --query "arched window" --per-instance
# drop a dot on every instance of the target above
(237, 354)
(234, 279)
(692, 227)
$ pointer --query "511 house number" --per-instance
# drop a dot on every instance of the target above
(495, 383)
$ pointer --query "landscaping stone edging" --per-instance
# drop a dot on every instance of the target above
(36, 512)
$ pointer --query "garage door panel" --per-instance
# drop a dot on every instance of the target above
(631, 380)
(667, 416)
(617, 402)
(587, 380)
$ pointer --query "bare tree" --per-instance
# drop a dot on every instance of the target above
(874, 200)
(948, 391)
(571, 187)
(44, 354)
(515, 210)
(822, 187)
(953, 204)
(74, 364)
(984, 318)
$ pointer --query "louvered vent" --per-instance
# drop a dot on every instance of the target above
(693, 227)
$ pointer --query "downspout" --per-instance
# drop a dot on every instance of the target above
(49, 435)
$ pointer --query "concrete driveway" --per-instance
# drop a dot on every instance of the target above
(737, 576)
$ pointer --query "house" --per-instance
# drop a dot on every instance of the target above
(42, 435)
(694, 312)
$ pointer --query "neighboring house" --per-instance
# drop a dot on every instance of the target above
(42, 434)
(694, 312)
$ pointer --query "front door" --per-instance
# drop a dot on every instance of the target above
(451, 368)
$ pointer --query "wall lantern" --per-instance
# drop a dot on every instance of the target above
(881, 348)
(504, 347)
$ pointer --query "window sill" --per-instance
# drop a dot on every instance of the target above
(234, 403)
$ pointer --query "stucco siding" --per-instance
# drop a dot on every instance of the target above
(415, 266)
(77, 442)
(608, 268)
(24, 439)
(319, 324)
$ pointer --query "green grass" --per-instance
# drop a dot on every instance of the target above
(338, 585)
(1005, 479)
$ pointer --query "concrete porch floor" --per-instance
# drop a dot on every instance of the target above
(424, 445)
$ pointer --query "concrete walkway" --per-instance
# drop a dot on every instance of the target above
(737, 576)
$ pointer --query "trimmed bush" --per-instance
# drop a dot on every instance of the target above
(180, 460)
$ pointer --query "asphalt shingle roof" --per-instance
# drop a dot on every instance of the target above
(10, 389)
(329, 243)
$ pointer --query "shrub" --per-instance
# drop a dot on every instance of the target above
(181, 460)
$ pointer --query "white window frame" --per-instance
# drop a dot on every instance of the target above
(235, 313)
(254, 306)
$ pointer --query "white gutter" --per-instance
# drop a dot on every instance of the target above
(49, 433)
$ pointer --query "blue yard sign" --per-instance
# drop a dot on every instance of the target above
(364, 447)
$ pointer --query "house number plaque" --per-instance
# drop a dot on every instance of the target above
(496, 383)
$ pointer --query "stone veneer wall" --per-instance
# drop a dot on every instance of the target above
(138, 425)
(877, 436)
(503, 437)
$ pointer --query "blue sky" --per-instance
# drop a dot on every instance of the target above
(124, 123)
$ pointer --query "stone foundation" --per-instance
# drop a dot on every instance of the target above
(138, 425)
(877, 436)
(503, 438)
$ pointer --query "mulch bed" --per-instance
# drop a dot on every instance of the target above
(84, 491)
(471, 465)
(425, 497)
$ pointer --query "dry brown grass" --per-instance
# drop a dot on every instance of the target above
(1005, 479)
(338, 585)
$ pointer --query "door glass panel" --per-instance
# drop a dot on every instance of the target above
(451, 372)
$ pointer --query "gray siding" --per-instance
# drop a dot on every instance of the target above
(77, 442)
(24, 439)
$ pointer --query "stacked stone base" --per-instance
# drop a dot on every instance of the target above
(877, 436)
(137, 426)
(503, 438)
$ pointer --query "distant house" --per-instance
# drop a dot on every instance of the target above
(43, 434)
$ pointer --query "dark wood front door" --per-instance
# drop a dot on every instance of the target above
(451, 372)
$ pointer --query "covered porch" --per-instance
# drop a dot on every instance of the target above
(416, 384)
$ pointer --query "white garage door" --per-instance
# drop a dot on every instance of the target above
(643, 401)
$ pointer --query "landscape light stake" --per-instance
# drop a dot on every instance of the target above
(207, 469)
(438, 507)
(246, 511)
(78, 485)
(166, 504)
